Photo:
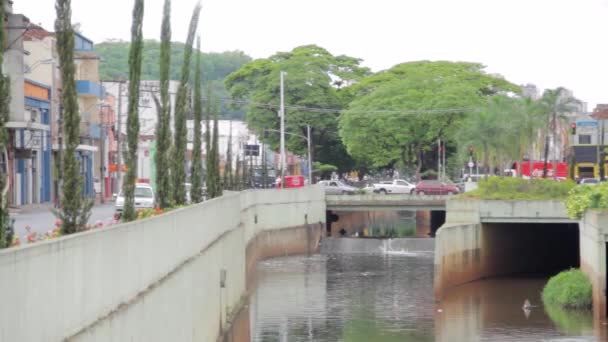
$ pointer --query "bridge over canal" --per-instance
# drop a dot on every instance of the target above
(370, 202)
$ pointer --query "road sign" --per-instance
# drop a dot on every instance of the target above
(586, 123)
(471, 164)
(252, 150)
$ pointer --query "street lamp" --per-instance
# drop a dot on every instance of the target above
(308, 142)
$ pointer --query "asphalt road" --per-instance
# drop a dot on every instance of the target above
(42, 221)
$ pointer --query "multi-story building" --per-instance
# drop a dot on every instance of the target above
(90, 95)
(589, 142)
(28, 148)
(43, 78)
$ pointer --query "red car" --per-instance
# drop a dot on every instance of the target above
(435, 187)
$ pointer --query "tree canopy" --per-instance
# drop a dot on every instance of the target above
(314, 96)
(399, 114)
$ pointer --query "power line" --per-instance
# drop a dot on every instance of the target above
(340, 111)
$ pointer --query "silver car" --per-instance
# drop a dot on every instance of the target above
(144, 198)
(337, 188)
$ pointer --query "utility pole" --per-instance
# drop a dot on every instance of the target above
(282, 115)
(443, 162)
(439, 158)
(310, 181)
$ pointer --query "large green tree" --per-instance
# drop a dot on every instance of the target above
(178, 172)
(197, 162)
(75, 210)
(163, 130)
(399, 114)
(5, 84)
(313, 95)
(128, 186)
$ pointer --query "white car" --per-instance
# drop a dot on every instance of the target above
(590, 181)
(395, 186)
(335, 187)
(144, 198)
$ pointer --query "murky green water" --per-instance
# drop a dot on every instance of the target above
(375, 297)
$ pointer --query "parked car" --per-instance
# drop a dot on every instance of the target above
(337, 188)
(435, 187)
(395, 186)
(144, 198)
(589, 181)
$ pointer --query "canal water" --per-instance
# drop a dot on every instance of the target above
(370, 290)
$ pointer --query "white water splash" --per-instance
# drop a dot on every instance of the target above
(387, 248)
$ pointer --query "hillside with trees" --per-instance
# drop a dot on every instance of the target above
(215, 66)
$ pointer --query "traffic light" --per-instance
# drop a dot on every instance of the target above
(573, 128)
(471, 150)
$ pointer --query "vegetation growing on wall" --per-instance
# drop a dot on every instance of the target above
(586, 197)
(569, 289)
(507, 188)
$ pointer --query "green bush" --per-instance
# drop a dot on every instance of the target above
(569, 289)
(509, 188)
(585, 197)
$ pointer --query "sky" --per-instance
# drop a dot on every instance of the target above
(549, 43)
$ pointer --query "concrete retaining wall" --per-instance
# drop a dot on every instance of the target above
(457, 256)
(593, 229)
(156, 279)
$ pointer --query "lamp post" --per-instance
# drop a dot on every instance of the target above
(308, 142)
(282, 115)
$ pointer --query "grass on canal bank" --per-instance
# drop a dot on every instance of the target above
(509, 188)
(569, 289)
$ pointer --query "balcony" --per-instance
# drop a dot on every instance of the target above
(89, 89)
(95, 130)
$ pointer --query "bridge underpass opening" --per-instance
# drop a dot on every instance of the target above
(539, 249)
(383, 223)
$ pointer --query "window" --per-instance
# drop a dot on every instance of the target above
(333, 184)
(143, 192)
(401, 183)
(584, 139)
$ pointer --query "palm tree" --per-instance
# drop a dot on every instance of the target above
(555, 103)
(528, 121)
(484, 128)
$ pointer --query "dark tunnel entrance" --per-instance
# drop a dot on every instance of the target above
(530, 248)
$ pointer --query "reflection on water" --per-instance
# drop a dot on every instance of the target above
(365, 297)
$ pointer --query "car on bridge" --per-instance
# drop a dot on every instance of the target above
(335, 187)
(395, 186)
(435, 187)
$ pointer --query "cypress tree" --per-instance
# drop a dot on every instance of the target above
(208, 158)
(228, 179)
(5, 96)
(197, 163)
(215, 189)
(163, 132)
(75, 210)
(135, 54)
(178, 174)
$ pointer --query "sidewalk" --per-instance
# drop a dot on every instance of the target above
(43, 207)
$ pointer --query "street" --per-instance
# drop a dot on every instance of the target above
(43, 220)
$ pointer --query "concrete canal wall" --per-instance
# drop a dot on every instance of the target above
(159, 279)
(593, 240)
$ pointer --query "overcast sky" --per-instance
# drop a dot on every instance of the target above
(546, 42)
